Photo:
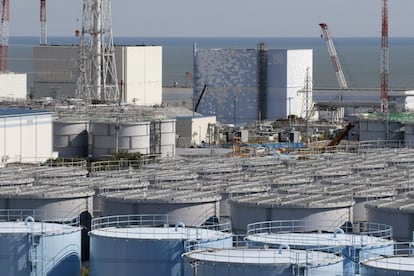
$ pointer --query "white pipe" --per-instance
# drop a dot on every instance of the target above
(338, 230)
(179, 224)
(28, 219)
(283, 246)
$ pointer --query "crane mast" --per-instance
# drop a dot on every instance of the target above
(384, 57)
(43, 39)
(4, 39)
(334, 56)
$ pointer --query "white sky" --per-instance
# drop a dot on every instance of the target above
(275, 18)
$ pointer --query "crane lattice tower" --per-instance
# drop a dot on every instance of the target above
(97, 68)
(43, 37)
(4, 34)
(384, 57)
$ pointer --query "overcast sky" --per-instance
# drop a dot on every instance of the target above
(275, 18)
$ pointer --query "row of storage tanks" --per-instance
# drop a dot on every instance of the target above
(32, 244)
(99, 139)
(366, 185)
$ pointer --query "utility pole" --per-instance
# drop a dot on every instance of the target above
(307, 102)
(290, 117)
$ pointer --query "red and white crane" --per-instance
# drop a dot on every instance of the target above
(4, 35)
(43, 37)
(384, 57)
(334, 56)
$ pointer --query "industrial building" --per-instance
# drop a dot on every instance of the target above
(139, 71)
(27, 135)
(245, 85)
(13, 87)
(196, 130)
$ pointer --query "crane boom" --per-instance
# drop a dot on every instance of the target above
(334, 56)
(199, 98)
(4, 35)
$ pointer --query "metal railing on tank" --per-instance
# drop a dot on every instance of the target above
(38, 216)
(123, 164)
(156, 221)
(400, 259)
(360, 230)
(241, 252)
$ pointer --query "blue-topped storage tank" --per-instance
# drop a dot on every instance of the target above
(30, 245)
(148, 244)
(401, 263)
(355, 240)
(244, 259)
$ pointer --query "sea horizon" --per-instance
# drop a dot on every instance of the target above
(360, 56)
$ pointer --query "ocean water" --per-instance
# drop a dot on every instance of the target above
(360, 57)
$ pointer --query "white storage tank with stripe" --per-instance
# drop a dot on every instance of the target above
(111, 137)
(246, 260)
(32, 245)
(148, 244)
(70, 138)
(163, 137)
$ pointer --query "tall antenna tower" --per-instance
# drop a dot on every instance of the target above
(384, 57)
(97, 80)
(43, 38)
(4, 34)
(307, 103)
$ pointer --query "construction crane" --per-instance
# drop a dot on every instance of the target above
(199, 98)
(334, 56)
(341, 135)
(43, 38)
(384, 57)
(4, 39)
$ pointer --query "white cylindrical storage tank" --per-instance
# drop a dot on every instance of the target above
(34, 247)
(245, 260)
(168, 133)
(112, 137)
(147, 244)
(356, 241)
(70, 138)
(192, 207)
(272, 206)
(401, 263)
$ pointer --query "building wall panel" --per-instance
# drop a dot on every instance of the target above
(13, 86)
